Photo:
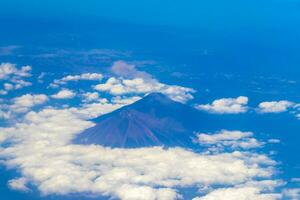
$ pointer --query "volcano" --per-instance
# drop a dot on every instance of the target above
(155, 120)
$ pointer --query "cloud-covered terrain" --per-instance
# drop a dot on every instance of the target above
(37, 142)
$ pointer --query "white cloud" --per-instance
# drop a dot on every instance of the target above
(246, 193)
(131, 81)
(10, 73)
(90, 96)
(226, 105)
(123, 69)
(24, 102)
(120, 86)
(125, 100)
(18, 184)
(274, 106)
(84, 76)
(41, 150)
(134, 192)
(225, 138)
(20, 83)
(64, 94)
(8, 86)
(9, 69)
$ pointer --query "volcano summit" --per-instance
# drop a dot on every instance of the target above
(155, 120)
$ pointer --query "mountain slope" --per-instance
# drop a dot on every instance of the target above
(152, 121)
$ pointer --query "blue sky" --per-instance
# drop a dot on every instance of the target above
(237, 60)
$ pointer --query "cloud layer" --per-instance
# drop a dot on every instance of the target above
(226, 165)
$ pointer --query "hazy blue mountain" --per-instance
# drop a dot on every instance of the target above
(154, 120)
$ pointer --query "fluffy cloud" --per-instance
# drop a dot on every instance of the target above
(226, 106)
(134, 82)
(64, 94)
(274, 106)
(39, 145)
(14, 76)
(225, 138)
(84, 76)
(24, 102)
(21, 104)
(9, 69)
(125, 100)
(18, 184)
(90, 96)
(246, 193)
(123, 69)
(41, 149)
(120, 86)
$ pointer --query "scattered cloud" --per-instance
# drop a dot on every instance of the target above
(131, 81)
(13, 77)
(126, 70)
(64, 94)
(225, 138)
(226, 106)
(40, 146)
(274, 106)
(90, 96)
(25, 102)
(120, 86)
(8, 69)
(84, 76)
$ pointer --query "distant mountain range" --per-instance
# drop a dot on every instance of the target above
(155, 120)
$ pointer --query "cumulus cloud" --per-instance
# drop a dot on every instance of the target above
(64, 94)
(274, 106)
(74, 78)
(226, 105)
(125, 100)
(90, 96)
(120, 86)
(246, 193)
(39, 145)
(14, 77)
(131, 81)
(18, 184)
(126, 70)
(41, 149)
(21, 104)
(8, 69)
(24, 102)
(226, 138)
